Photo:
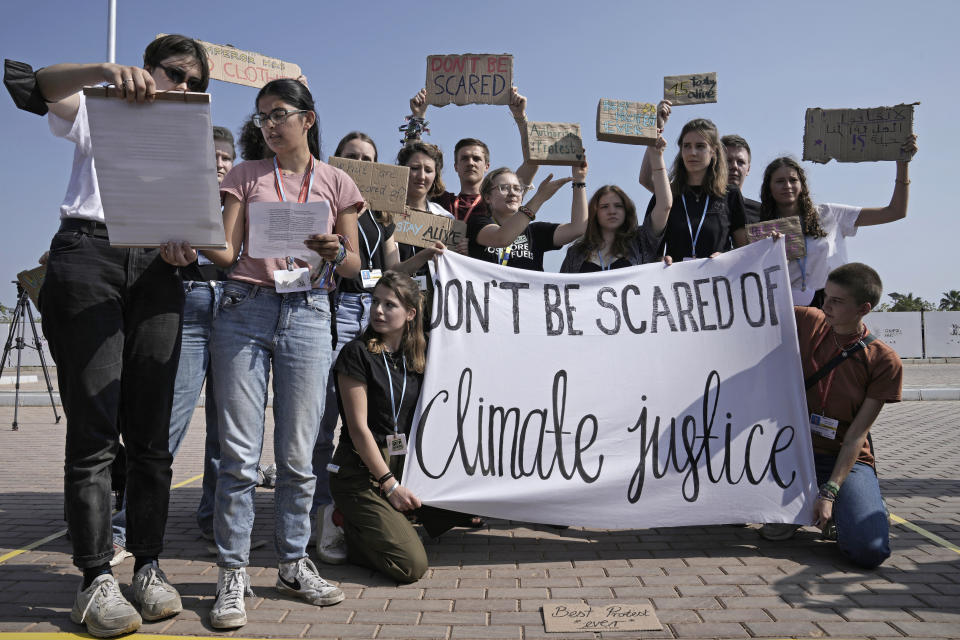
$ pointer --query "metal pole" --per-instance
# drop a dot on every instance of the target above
(111, 30)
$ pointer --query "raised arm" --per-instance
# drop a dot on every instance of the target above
(503, 235)
(646, 170)
(518, 107)
(897, 208)
(653, 157)
(60, 84)
(415, 123)
(570, 231)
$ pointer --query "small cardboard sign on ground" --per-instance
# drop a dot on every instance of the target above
(559, 617)
(422, 229)
(626, 122)
(556, 143)
(857, 135)
(383, 186)
(31, 280)
(229, 64)
(697, 88)
(470, 78)
(789, 227)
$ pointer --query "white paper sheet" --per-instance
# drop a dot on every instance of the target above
(278, 229)
(156, 172)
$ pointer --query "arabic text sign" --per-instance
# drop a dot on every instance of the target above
(857, 135)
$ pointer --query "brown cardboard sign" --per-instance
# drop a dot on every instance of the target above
(789, 227)
(857, 135)
(229, 64)
(383, 186)
(423, 229)
(626, 122)
(31, 280)
(697, 88)
(558, 617)
(470, 78)
(556, 143)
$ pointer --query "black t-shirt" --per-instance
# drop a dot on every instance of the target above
(724, 216)
(593, 267)
(527, 250)
(751, 210)
(372, 237)
(356, 362)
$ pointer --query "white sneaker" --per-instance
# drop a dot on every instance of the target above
(301, 579)
(154, 594)
(119, 554)
(104, 610)
(331, 547)
(229, 611)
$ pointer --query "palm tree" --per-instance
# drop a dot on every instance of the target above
(950, 301)
(909, 302)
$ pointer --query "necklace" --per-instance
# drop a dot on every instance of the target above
(861, 332)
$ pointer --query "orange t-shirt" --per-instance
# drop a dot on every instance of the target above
(875, 372)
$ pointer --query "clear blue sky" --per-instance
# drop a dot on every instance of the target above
(365, 59)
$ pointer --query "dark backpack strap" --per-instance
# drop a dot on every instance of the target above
(821, 373)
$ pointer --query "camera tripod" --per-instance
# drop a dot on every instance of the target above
(15, 340)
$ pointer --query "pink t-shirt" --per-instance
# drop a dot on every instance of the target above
(254, 181)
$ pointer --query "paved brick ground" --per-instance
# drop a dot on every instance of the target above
(705, 582)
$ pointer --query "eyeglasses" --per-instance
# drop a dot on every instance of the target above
(517, 189)
(176, 75)
(277, 117)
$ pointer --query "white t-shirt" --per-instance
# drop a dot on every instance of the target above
(82, 200)
(825, 254)
(437, 210)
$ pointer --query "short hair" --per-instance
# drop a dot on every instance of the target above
(433, 152)
(471, 142)
(737, 142)
(356, 135)
(223, 134)
(176, 45)
(860, 281)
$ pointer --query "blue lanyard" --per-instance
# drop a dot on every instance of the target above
(364, 236)
(694, 238)
(803, 266)
(603, 265)
(393, 406)
(503, 255)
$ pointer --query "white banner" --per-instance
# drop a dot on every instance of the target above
(901, 330)
(942, 331)
(642, 397)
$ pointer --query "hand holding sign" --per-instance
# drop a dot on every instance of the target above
(518, 104)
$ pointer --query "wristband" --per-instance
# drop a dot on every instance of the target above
(527, 211)
(830, 487)
(385, 477)
(392, 489)
(341, 255)
(579, 185)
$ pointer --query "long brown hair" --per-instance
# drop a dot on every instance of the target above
(715, 179)
(593, 237)
(809, 217)
(433, 152)
(413, 345)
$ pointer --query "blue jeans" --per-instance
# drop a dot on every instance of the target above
(255, 327)
(353, 314)
(863, 527)
(200, 303)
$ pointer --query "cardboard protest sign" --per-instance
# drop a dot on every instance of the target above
(857, 135)
(789, 227)
(422, 229)
(626, 122)
(556, 143)
(471, 78)
(383, 186)
(31, 280)
(566, 617)
(697, 88)
(521, 426)
(229, 64)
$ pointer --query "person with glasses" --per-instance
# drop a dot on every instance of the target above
(508, 235)
(265, 323)
(112, 315)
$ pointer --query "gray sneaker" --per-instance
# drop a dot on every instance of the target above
(301, 579)
(104, 610)
(778, 531)
(229, 611)
(154, 594)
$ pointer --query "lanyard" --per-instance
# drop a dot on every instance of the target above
(825, 384)
(802, 263)
(456, 208)
(694, 238)
(364, 236)
(304, 188)
(603, 265)
(503, 255)
(393, 406)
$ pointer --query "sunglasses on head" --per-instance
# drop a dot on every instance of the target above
(176, 75)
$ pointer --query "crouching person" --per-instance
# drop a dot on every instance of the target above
(849, 376)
